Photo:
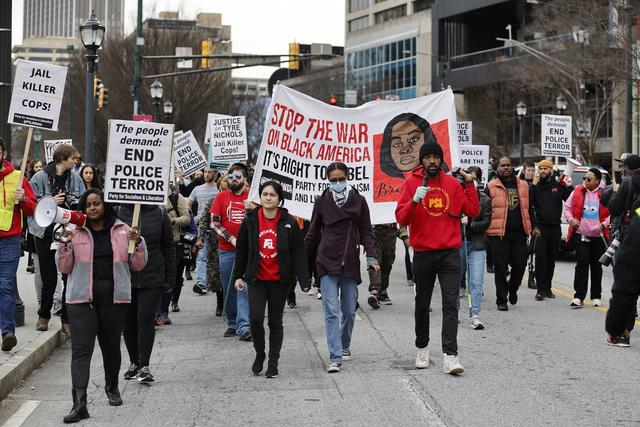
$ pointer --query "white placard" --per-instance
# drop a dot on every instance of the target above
(556, 134)
(187, 155)
(464, 133)
(350, 97)
(138, 162)
(227, 138)
(38, 90)
(475, 155)
(50, 146)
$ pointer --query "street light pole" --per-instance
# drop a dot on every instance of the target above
(156, 89)
(168, 111)
(521, 111)
(92, 34)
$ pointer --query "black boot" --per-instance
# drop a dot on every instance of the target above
(219, 304)
(113, 394)
(79, 410)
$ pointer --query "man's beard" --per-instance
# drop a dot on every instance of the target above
(507, 176)
(235, 187)
(433, 170)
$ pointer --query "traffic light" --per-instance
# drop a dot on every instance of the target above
(333, 100)
(103, 97)
(207, 49)
(97, 83)
(294, 51)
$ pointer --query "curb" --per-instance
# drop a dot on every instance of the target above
(28, 359)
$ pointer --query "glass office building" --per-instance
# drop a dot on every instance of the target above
(379, 72)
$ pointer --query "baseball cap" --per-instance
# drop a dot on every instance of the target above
(622, 157)
(632, 161)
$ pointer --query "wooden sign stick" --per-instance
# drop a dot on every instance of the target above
(135, 220)
(25, 156)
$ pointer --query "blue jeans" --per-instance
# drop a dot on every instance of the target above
(339, 312)
(201, 265)
(236, 304)
(476, 275)
(10, 250)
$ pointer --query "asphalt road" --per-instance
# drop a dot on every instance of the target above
(540, 363)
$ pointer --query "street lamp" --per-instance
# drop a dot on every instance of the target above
(156, 89)
(92, 34)
(168, 111)
(561, 104)
(37, 136)
(521, 111)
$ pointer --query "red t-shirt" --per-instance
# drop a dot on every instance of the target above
(268, 269)
(230, 208)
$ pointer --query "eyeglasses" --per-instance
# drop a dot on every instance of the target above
(586, 178)
(234, 176)
(338, 180)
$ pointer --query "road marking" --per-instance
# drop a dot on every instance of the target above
(21, 415)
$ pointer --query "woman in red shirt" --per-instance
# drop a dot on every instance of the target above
(270, 256)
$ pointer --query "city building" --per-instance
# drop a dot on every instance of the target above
(54, 50)
(249, 87)
(62, 18)
(388, 48)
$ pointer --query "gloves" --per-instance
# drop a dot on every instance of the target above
(420, 193)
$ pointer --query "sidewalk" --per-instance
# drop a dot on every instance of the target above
(33, 347)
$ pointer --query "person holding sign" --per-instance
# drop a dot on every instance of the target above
(432, 201)
(340, 223)
(98, 295)
(270, 256)
(56, 180)
(18, 199)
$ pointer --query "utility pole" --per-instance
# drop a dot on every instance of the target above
(5, 72)
(137, 83)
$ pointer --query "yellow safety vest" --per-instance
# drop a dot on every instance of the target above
(8, 187)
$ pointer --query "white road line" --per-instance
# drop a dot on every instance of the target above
(21, 415)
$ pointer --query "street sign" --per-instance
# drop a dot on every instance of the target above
(38, 90)
(350, 97)
(464, 133)
(138, 162)
(556, 135)
(184, 51)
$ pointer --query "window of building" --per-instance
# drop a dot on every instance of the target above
(389, 14)
(358, 23)
(379, 1)
(356, 5)
(419, 5)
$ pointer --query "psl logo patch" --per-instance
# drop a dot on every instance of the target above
(436, 202)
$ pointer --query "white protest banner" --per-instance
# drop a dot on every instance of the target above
(464, 133)
(138, 162)
(475, 155)
(227, 137)
(38, 89)
(379, 141)
(556, 134)
(50, 146)
(187, 155)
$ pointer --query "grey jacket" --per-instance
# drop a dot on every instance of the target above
(42, 185)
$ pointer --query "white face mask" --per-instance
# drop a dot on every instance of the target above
(338, 186)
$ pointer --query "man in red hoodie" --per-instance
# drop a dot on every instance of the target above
(14, 201)
(431, 203)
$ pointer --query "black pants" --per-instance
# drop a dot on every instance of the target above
(181, 264)
(385, 244)
(407, 263)
(101, 318)
(510, 250)
(621, 315)
(588, 254)
(546, 253)
(139, 328)
(275, 295)
(446, 265)
(49, 276)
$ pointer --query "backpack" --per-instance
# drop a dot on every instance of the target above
(185, 229)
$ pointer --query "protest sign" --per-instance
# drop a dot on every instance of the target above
(51, 145)
(138, 162)
(227, 138)
(475, 155)
(379, 142)
(188, 156)
(464, 133)
(556, 135)
(38, 90)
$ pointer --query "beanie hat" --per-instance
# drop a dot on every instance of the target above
(632, 161)
(431, 148)
(546, 164)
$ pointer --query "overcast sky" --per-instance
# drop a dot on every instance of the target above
(257, 26)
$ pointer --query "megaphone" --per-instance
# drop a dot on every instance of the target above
(47, 212)
(571, 166)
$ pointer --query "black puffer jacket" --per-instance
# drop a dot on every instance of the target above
(155, 227)
(626, 269)
(476, 227)
(292, 257)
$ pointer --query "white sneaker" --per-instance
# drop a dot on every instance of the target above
(596, 302)
(334, 367)
(576, 303)
(452, 365)
(422, 359)
(318, 295)
(476, 323)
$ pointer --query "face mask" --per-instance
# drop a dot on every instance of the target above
(338, 186)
